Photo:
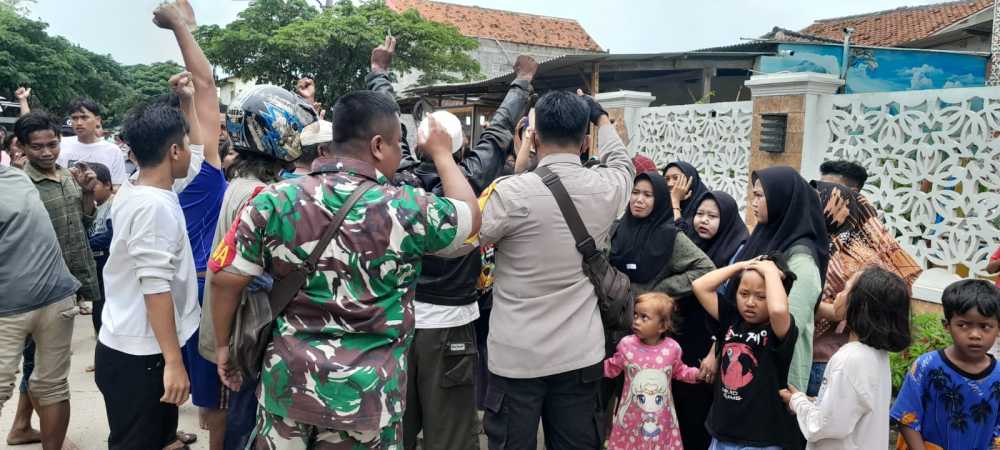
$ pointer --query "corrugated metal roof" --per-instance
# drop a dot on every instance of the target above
(574, 60)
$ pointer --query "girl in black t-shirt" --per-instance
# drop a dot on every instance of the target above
(756, 341)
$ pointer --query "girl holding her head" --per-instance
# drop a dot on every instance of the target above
(756, 341)
(789, 219)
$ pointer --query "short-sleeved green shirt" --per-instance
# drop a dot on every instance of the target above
(63, 200)
(338, 355)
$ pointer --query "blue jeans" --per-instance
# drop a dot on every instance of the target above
(816, 378)
(717, 445)
(241, 417)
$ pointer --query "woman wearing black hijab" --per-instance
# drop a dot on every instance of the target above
(719, 226)
(686, 188)
(790, 220)
(646, 246)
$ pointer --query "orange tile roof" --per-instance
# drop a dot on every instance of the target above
(509, 26)
(897, 26)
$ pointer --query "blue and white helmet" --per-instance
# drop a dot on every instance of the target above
(267, 120)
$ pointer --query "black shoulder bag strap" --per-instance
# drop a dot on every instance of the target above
(584, 241)
(286, 288)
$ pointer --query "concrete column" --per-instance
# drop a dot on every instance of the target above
(623, 108)
(795, 95)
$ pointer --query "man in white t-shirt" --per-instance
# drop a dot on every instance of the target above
(87, 145)
(151, 307)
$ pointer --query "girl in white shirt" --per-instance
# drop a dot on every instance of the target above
(852, 409)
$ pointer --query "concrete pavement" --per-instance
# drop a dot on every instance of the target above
(88, 424)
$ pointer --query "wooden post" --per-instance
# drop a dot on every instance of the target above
(595, 81)
(706, 83)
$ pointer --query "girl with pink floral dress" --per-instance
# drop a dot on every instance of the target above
(645, 418)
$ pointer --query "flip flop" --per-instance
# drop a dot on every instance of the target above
(187, 438)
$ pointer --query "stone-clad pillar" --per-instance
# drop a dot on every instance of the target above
(795, 96)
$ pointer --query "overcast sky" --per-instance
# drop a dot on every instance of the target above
(123, 28)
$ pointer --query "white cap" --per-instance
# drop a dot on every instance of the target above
(450, 123)
(318, 132)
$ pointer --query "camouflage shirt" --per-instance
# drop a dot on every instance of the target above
(338, 355)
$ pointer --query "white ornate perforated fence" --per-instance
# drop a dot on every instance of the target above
(934, 164)
(714, 137)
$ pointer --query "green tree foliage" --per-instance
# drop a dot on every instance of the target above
(144, 82)
(55, 69)
(150, 80)
(18, 6)
(280, 41)
(59, 71)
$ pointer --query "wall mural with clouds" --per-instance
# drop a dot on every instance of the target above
(882, 69)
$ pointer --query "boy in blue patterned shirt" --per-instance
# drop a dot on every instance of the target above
(951, 397)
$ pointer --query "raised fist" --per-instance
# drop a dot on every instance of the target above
(183, 85)
(525, 67)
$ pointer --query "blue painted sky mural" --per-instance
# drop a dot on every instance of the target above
(882, 69)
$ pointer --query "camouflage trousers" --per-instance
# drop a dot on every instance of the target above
(278, 433)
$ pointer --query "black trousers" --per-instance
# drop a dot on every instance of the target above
(566, 403)
(95, 316)
(482, 325)
(132, 387)
(440, 393)
(692, 402)
(241, 417)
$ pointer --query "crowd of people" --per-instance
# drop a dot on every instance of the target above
(412, 298)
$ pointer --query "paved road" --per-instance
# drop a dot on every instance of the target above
(88, 425)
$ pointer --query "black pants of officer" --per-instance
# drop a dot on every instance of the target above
(566, 404)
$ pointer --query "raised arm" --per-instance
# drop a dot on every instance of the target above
(525, 159)
(22, 95)
(183, 85)
(677, 194)
(777, 299)
(179, 18)
(704, 288)
(618, 170)
(485, 161)
(378, 80)
(306, 87)
(437, 145)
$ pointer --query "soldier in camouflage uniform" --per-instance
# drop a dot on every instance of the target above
(335, 374)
